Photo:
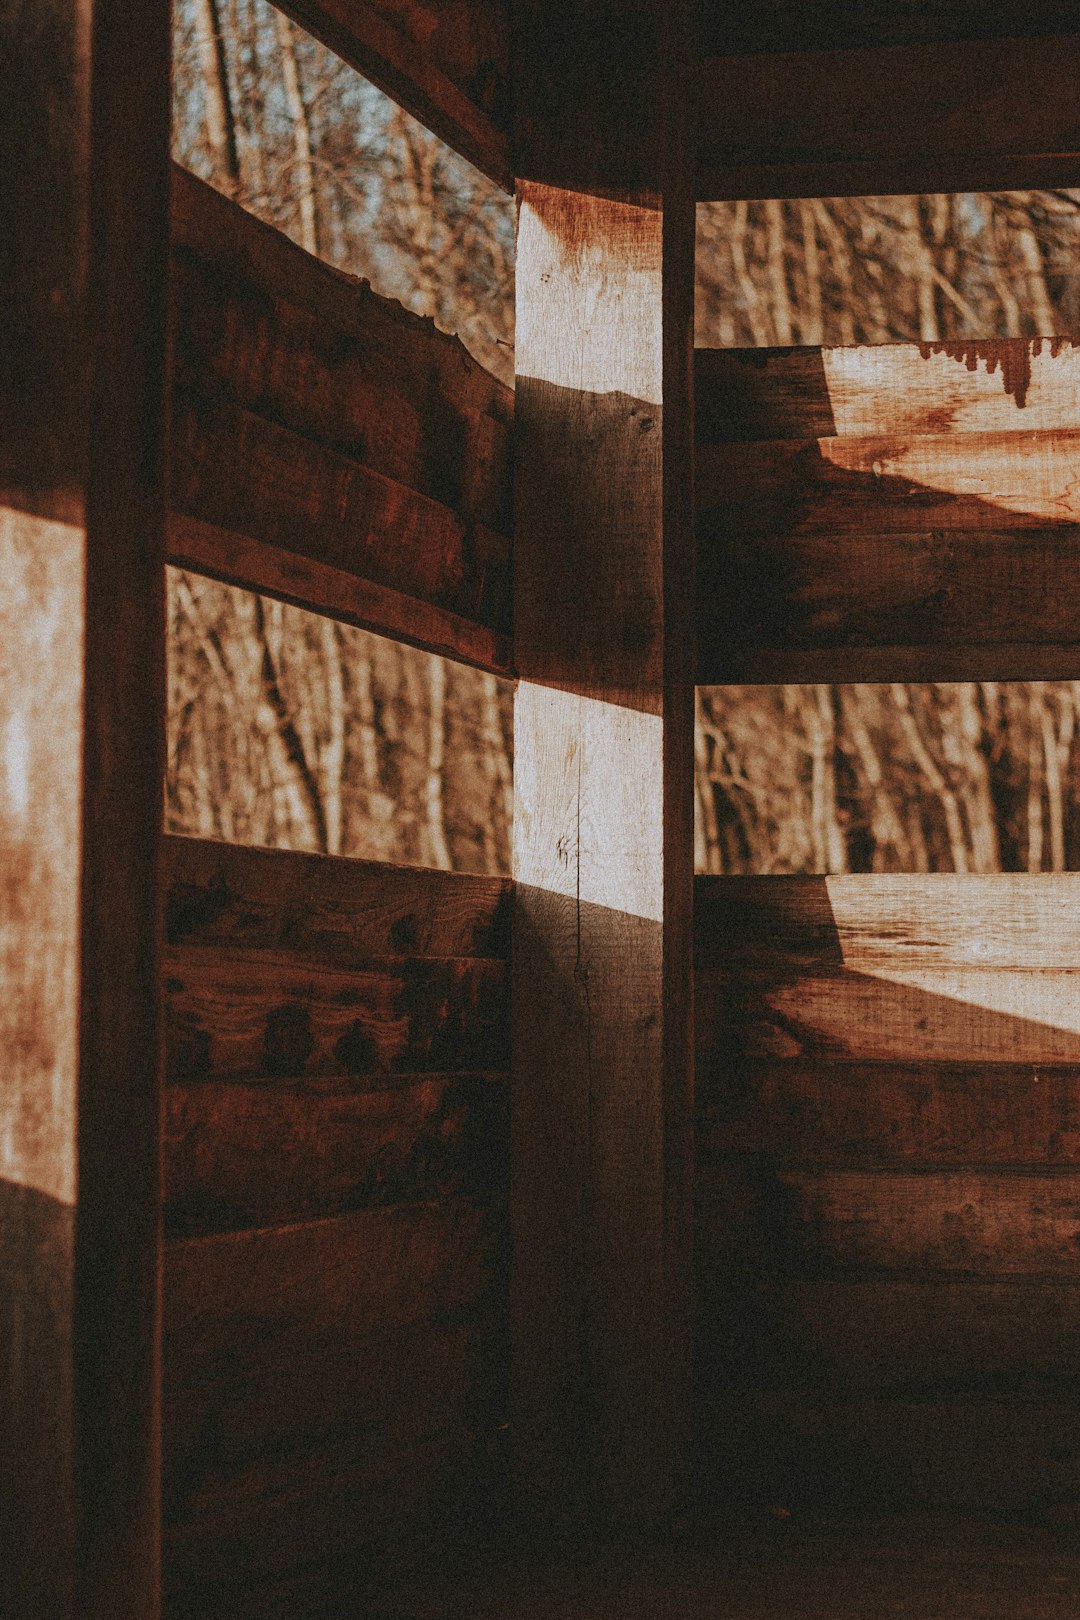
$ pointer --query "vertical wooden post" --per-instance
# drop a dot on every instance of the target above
(84, 111)
(604, 756)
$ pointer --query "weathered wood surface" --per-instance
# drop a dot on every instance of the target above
(906, 1113)
(866, 1454)
(906, 390)
(241, 1155)
(448, 65)
(888, 1187)
(879, 510)
(238, 559)
(312, 415)
(336, 1167)
(970, 115)
(971, 1222)
(603, 817)
(331, 1387)
(319, 908)
(994, 1338)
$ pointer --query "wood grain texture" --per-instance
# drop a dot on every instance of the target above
(948, 116)
(324, 909)
(313, 416)
(446, 64)
(333, 1388)
(240, 1155)
(238, 559)
(904, 507)
(601, 1003)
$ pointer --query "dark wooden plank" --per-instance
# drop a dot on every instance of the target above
(447, 65)
(282, 334)
(951, 116)
(239, 1155)
(801, 25)
(863, 1114)
(250, 1015)
(603, 849)
(923, 1338)
(242, 472)
(972, 1222)
(903, 389)
(238, 559)
(323, 909)
(868, 1455)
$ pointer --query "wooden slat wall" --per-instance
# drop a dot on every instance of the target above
(937, 114)
(448, 65)
(336, 1164)
(889, 1190)
(888, 513)
(329, 447)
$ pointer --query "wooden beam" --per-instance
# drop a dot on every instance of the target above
(83, 145)
(898, 512)
(603, 819)
(962, 115)
(329, 447)
(448, 66)
(809, 25)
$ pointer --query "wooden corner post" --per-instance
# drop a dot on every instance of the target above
(84, 129)
(603, 842)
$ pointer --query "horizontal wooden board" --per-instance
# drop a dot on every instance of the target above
(865, 1114)
(950, 116)
(239, 1155)
(827, 1222)
(905, 390)
(280, 333)
(966, 1338)
(349, 1278)
(241, 472)
(875, 488)
(323, 909)
(314, 417)
(872, 922)
(238, 559)
(838, 24)
(864, 1454)
(447, 65)
(246, 1015)
(335, 1532)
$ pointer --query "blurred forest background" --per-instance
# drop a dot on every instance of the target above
(288, 730)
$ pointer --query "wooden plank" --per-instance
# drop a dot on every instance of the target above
(603, 819)
(242, 472)
(240, 1155)
(321, 431)
(318, 351)
(972, 1222)
(913, 1113)
(879, 1455)
(83, 150)
(894, 1339)
(240, 560)
(448, 66)
(321, 908)
(973, 115)
(874, 922)
(838, 24)
(252, 1015)
(903, 389)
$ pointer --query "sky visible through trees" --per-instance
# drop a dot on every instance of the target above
(288, 730)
